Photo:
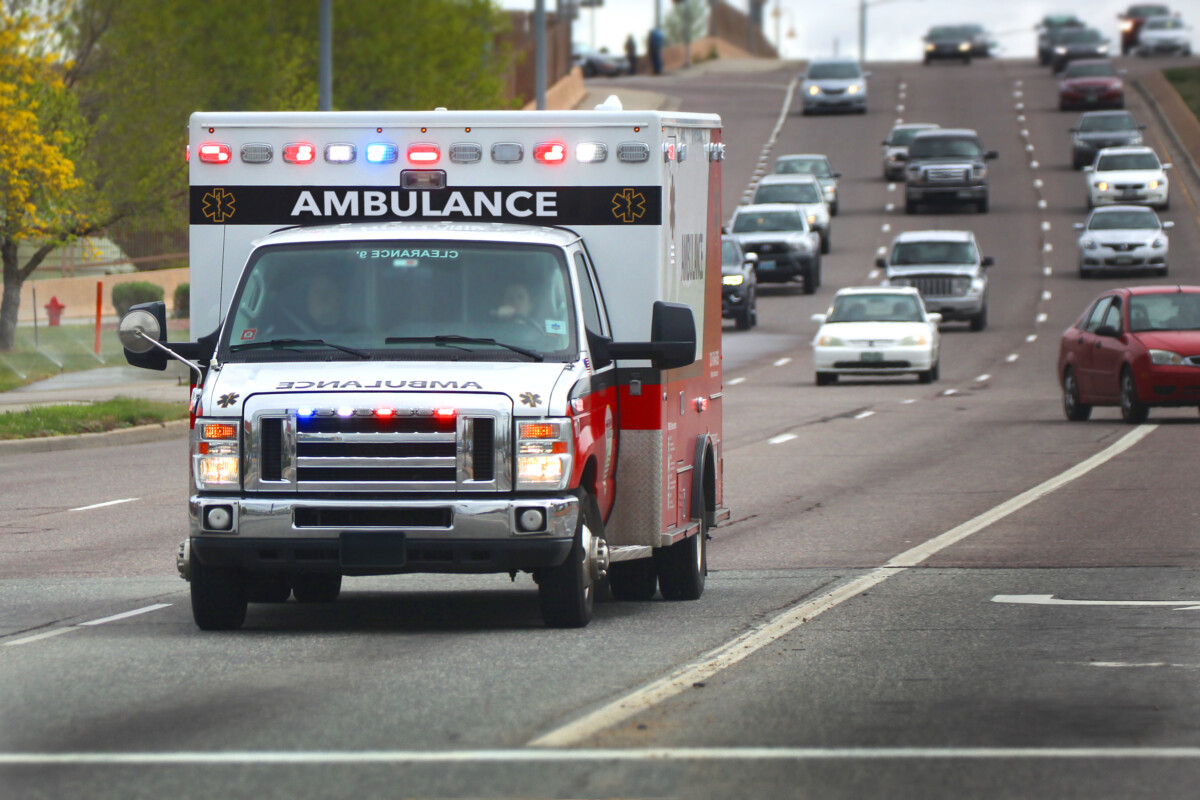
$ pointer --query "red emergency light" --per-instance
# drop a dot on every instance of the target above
(215, 153)
(550, 152)
(299, 153)
(424, 153)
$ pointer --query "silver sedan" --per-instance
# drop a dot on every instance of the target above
(1123, 238)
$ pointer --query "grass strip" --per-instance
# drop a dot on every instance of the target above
(109, 415)
(1186, 81)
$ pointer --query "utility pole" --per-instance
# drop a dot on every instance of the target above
(658, 14)
(325, 56)
(539, 50)
(862, 31)
(687, 34)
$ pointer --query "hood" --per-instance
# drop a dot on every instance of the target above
(529, 384)
(968, 270)
(1186, 343)
(1163, 36)
(1122, 236)
(766, 237)
(943, 160)
(1128, 175)
(872, 330)
(1109, 138)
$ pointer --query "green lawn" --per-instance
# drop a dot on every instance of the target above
(66, 348)
(1186, 81)
(62, 420)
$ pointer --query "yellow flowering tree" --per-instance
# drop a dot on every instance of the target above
(43, 198)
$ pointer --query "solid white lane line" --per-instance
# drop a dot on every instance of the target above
(37, 637)
(127, 614)
(589, 755)
(781, 438)
(733, 651)
(102, 505)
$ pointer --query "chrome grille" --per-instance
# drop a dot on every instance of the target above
(947, 174)
(1127, 187)
(939, 285)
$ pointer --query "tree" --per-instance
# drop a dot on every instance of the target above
(676, 24)
(43, 196)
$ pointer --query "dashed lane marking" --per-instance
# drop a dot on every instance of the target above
(781, 438)
(103, 505)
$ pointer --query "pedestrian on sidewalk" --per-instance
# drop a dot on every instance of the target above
(631, 53)
(657, 40)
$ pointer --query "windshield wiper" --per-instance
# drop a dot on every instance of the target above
(449, 338)
(284, 344)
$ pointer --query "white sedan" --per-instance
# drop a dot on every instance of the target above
(875, 330)
(1125, 175)
(1120, 238)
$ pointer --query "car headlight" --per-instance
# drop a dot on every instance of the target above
(978, 172)
(1088, 244)
(964, 47)
(814, 90)
(929, 48)
(1126, 25)
(1062, 51)
(733, 280)
(1136, 139)
(914, 341)
(829, 191)
(1159, 243)
(854, 88)
(830, 341)
(1165, 357)
(812, 219)
(977, 285)
(1102, 185)
(1102, 48)
(543, 454)
(1152, 184)
(216, 459)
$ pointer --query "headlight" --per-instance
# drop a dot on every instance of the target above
(216, 459)
(1165, 357)
(978, 172)
(1102, 185)
(733, 280)
(1126, 25)
(977, 285)
(929, 48)
(1102, 48)
(1159, 243)
(830, 341)
(1137, 139)
(1062, 51)
(812, 219)
(913, 341)
(543, 454)
(853, 89)
(1087, 244)
(965, 46)
(1152, 185)
(829, 191)
(814, 90)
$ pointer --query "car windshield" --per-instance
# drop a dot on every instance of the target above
(902, 136)
(1148, 11)
(391, 299)
(1165, 24)
(944, 146)
(788, 193)
(1061, 20)
(942, 33)
(1091, 69)
(875, 308)
(835, 70)
(730, 254)
(768, 221)
(912, 253)
(1085, 36)
(1123, 161)
(1123, 220)
(803, 166)
(1107, 122)
(1174, 311)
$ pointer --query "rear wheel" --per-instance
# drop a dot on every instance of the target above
(317, 587)
(633, 580)
(218, 597)
(826, 378)
(1073, 409)
(1133, 410)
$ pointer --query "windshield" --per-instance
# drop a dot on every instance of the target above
(911, 253)
(1107, 122)
(768, 221)
(730, 255)
(1176, 311)
(1148, 11)
(875, 308)
(944, 146)
(943, 33)
(390, 299)
(1169, 23)
(788, 193)
(1086, 36)
(1123, 161)
(803, 166)
(843, 70)
(902, 136)
(1091, 69)
(1123, 220)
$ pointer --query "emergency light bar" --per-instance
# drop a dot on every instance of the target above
(299, 153)
(424, 153)
(382, 153)
(257, 153)
(591, 152)
(215, 153)
(550, 152)
(466, 153)
(340, 153)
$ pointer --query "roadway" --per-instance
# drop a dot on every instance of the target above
(875, 622)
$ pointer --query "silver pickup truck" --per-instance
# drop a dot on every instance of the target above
(946, 165)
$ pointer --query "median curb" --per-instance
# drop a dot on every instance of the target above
(175, 429)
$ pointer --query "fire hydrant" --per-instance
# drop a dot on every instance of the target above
(54, 310)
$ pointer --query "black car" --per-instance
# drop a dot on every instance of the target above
(1099, 129)
(1073, 43)
(1049, 26)
(948, 42)
(981, 43)
(946, 165)
(739, 285)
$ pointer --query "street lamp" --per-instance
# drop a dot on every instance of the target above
(862, 23)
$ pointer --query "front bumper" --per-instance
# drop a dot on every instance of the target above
(955, 308)
(1168, 385)
(834, 102)
(852, 360)
(783, 268)
(957, 193)
(734, 303)
(1144, 196)
(1106, 258)
(454, 535)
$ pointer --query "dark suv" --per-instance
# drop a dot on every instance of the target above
(946, 165)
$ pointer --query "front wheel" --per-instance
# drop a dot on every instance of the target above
(567, 593)
(1133, 410)
(980, 320)
(218, 597)
(825, 243)
(982, 205)
(1074, 409)
(810, 279)
(683, 566)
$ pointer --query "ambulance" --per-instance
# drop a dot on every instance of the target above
(450, 342)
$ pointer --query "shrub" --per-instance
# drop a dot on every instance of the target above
(125, 295)
(182, 301)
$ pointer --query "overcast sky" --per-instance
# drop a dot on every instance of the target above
(894, 27)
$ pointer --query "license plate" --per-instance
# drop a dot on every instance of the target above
(1129, 195)
(870, 356)
(1124, 261)
(384, 549)
(965, 195)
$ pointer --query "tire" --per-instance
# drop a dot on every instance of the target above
(683, 566)
(833, 209)
(967, 61)
(979, 321)
(925, 376)
(1084, 274)
(825, 243)
(826, 378)
(810, 279)
(269, 587)
(218, 597)
(1162, 273)
(743, 319)
(937, 369)
(1073, 409)
(1090, 204)
(1133, 411)
(317, 587)
(567, 592)
(635, 581)
(982, 205)
(910, 206)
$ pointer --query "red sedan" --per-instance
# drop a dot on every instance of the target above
(1091, 83)
(1134, 348)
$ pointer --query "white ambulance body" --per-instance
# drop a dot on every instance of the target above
(453, 342)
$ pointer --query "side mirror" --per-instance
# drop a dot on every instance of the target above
(884, 143)
(143, 335)
(818, 318)
(881, 262)
(987, 261)
(1167, 166)
(672, 338)
(1166, 226)
(935, 318)
(991, 155)
(1078, 226)
(751, 257)
(1108, 330)
(1141, 127)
